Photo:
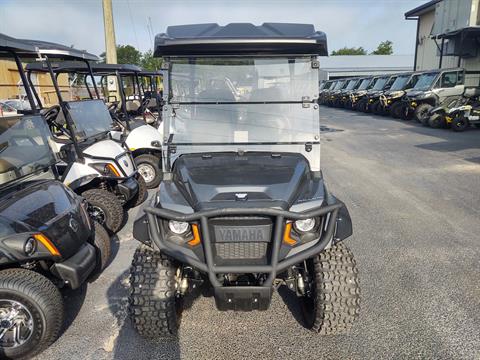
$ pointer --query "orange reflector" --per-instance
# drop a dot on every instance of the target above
(113, 170)
(287, 239)
(47, 243)
(196, 236)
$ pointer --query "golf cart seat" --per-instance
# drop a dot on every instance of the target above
(471, 92)
(5, 166)
(133, 105)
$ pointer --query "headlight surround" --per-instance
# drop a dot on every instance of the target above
(178, 227)
(305, 225)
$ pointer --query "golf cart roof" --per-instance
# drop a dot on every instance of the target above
(81, 67)
(241, 39)
(8, 43)
(60, 51)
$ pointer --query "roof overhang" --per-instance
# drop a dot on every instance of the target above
(9, 44)
(472, 31)
(81, 67)
(59, 51)
(241, 39)
(420, 10)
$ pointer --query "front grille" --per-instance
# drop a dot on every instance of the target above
(249, 251)
(241, 239)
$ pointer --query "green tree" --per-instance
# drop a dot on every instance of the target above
(126, 54)
(384, 48)
(350, 51)
(148, 62)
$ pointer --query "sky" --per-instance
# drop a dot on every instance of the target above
(80, 22)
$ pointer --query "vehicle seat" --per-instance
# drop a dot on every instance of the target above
(5, 166)
(132, 105)
(471, 92)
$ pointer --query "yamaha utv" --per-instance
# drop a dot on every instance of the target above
(242, 207)
(432, 88)
(93, 164)
(47, 239)
(142, 140)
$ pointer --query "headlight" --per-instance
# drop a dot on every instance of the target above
(305, 225)
(106, 169)
(178, 227)
(30, 246)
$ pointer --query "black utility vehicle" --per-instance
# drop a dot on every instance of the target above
(372, 97)
(357, 98)
(344, 95)
(391, 100)
(243, 207)
(47, 239)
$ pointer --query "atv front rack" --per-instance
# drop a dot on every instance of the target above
(184, 254)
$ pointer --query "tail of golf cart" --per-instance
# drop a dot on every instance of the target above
(243, 207)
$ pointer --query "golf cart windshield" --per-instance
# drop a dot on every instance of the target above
(90, 118)
(339, 85)
(400, 82)
(425, 81)
(364, 84)
(234, 104)
(24, 147)
(380, 83)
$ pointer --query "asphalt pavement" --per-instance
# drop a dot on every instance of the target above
(414, 197)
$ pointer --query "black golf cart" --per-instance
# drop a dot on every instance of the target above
(93, 164)
(243, 207)
(47, 239)
(391, 100)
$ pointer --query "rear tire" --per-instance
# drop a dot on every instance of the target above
(334, 302)
(422, 113)
(153, 305)
(103, 246)
(437, 121)
(362, 105)
(105, 208)
(152, 173)
(34, 297)
(141, 194)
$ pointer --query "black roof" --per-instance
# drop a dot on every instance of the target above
(81, 67)
(12, 44)
(60, 51)
(419, 10)
(240, 39)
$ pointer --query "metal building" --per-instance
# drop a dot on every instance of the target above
(341, 66)
(448, 35)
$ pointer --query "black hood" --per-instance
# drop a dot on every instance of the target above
(211, 180)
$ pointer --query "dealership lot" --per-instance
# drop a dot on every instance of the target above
(413, 196)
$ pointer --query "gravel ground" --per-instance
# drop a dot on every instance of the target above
(413, 194)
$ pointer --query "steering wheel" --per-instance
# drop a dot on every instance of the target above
(51, 113)
(113, 106)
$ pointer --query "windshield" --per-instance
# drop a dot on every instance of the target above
(339, 85)
(24, 147)
(351, 84)
(425, 81)
(90, 118)
(250, 102)
(364, 84)
(380, 83)
(400, 82)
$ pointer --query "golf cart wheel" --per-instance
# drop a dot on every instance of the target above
(375, 108)
(333, 303)
(31, 313)
(105, 208)
(103, 246)
(149, 167)
(141, 194)
(422, 113)
(459, 124)
(153, 305)
(362, 105)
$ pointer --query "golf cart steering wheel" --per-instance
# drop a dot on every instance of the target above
(51, 113)
(113, 106)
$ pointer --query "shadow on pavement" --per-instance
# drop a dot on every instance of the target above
(293, 304)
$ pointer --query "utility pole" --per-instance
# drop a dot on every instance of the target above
(110, 46)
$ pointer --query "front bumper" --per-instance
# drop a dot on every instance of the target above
(76, 269)
(337, 226)
(128, 188)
